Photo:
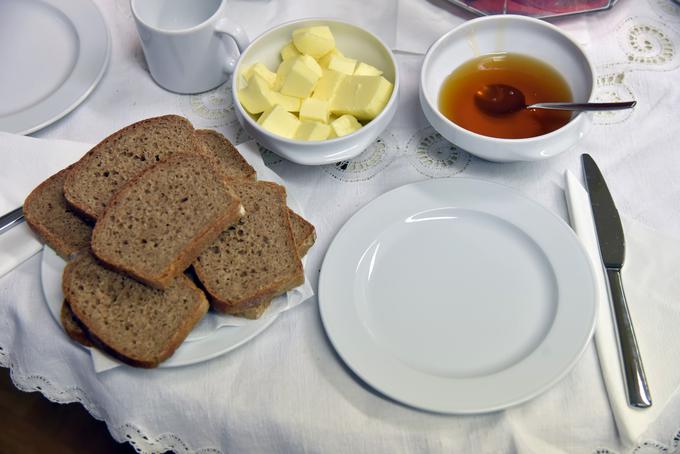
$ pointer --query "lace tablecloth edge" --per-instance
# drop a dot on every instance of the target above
(127, 432)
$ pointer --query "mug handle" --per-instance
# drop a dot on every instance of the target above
(226, 27)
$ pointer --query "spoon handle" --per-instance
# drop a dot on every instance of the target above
(583, 106)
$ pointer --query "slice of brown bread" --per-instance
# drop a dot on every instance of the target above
(233, 163)
(135, 323)
(256, 259)
(303, 232)
(72, 326)
(235, 166)
(50, 217)
(113, 162)
(160, 221)
(304, 237)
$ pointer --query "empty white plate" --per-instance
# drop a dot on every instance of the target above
(457, 296)
(53, 54)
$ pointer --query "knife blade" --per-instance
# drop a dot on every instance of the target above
(9, 220)
(612, 245)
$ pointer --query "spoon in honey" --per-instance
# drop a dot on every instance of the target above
(501, 99)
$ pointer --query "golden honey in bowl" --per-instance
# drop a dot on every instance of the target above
(538, 81)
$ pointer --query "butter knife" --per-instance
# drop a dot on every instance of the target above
(613, 251)
(9, 220)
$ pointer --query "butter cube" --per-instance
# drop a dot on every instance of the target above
(364, 69)
(289, 51)
(323, 61)
(282, 72)
(262, 71)
(327, 85)
(279, 121)
(342, 64)
(298, 76)
(290, 103)
(314, 41)
(312, 130)
(313, 109)
(344, 125)
(361, 96)
(257, 96)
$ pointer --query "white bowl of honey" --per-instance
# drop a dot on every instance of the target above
(528, 54)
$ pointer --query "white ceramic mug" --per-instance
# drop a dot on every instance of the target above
(190, 45)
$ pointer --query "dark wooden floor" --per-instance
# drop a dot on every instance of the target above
(29, 423)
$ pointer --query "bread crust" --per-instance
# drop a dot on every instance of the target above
(73, 198)
(230, 149)
(63, 248)
(191, 250)
(74, 327)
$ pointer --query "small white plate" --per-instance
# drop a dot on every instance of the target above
(457, 296)
(54, 53)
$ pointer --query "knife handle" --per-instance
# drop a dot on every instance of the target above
(636, 381)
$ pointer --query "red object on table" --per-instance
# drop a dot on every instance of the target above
(534, 8)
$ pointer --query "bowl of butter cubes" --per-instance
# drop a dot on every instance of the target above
(316, 91)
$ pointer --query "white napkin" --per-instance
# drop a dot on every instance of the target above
(25, 163)
(653, 293)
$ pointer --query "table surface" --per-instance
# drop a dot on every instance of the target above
(287, 390)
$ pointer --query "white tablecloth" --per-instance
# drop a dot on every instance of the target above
(287, 390)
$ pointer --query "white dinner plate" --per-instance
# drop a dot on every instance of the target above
(53, 53)
(457, 296)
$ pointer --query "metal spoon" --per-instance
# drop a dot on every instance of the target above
(501, 99)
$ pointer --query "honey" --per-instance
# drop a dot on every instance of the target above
(538, 81)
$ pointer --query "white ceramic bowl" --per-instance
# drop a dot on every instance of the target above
(507, 33)
(352, 41)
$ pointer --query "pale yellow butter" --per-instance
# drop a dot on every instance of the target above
(312, 130)
(361, 96)
(257, 96)
(312, 109)
(364, 69)
(279, 121)
(289, 51)
(314, 41)
(327, 85)
(262, 71)
(342, 64)
(344, 125)
(298, 76)
(290, 103)
(323, 61)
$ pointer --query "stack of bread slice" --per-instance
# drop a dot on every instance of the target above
(158, 223)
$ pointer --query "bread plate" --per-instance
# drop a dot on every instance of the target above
(215, 334)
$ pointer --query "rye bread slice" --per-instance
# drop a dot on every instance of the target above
(304, 233)
(256, 259)
(49, 216)
(160, 221)
(135, 323)
(304, 237)
(235, 166)
(232, 162)
(73, 327)
(113, 162)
